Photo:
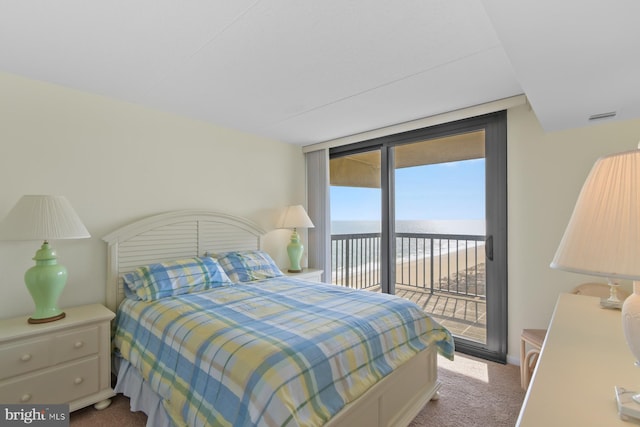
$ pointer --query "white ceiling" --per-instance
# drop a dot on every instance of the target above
(304, 71)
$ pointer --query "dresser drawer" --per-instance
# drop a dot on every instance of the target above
(54, 385)
(24, 357)
(76, 344)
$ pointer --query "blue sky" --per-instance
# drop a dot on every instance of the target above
(435, 192)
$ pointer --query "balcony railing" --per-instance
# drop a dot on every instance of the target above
(449, 263)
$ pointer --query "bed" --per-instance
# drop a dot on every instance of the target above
(297, 362)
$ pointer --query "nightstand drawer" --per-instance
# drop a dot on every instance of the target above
(24, 357)
(63, 385)
(76, 344)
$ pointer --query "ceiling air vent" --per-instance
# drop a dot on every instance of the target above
(602, 116)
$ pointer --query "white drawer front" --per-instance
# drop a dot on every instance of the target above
(24, 357)
(62, 385)
(76, 344)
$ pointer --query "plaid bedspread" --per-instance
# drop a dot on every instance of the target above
(278, 352)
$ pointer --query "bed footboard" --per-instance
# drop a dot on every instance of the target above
(398, 398)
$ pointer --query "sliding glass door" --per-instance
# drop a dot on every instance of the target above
(423, 215)
(440, 223)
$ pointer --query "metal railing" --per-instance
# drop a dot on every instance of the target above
(355, 260)
(450, 263)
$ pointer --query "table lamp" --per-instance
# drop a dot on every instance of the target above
(295, 217)
(44, 218)
(603, 235)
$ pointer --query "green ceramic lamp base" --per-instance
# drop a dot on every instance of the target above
(295, 249)
(45, 282)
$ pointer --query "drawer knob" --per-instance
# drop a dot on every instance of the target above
(78, 344)
(25, 397)
(78, 380)
(25, 357)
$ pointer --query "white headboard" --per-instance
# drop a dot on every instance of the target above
(173, 235)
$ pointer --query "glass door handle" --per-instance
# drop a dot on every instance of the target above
(489, 248)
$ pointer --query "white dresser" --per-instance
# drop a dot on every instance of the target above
(66, 361)
(583, 358)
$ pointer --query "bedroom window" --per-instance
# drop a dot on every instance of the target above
(423, 215)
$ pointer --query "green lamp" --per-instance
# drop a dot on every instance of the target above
(295, 217)
(44, 218)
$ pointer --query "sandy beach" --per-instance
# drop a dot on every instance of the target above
(458, 271)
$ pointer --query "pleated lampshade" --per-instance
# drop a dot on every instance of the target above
(295, 217)
(603, 235)
(42, 218)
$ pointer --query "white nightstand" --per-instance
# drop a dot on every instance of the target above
(312, 274)
(66, 361)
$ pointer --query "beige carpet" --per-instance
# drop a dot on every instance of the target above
(474, 393)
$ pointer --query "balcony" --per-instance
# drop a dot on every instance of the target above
(442, 273)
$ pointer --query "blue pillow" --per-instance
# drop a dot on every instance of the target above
(247, 266)
(155, 281)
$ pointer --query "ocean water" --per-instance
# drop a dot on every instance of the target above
(475, 227)
(410, 248)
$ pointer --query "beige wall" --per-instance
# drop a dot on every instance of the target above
(117, 162)
(546, 173)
